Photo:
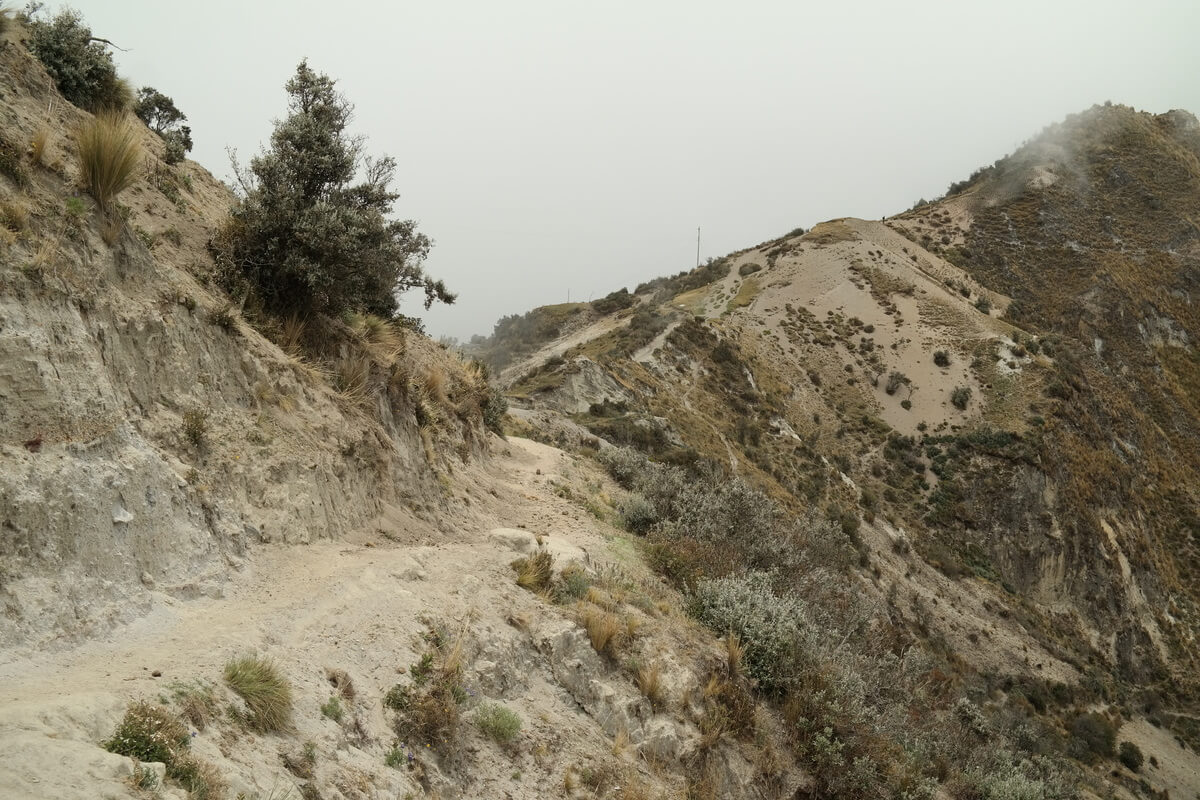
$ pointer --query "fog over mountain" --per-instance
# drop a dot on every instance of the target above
(552, 148)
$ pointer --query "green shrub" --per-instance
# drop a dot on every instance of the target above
(638, 514)
(1092, 736)
(267, 693)
(149, 733)
(307, 239)
(498, 723)
(109, 152)
(79, 63)
(195, 426)
(615, 301)
(941, 358)
(332, 709)
(773, 628)
(494, 409)
(960, 397)
(161, 115)
(1131, 756)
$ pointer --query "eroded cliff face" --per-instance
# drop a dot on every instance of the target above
(148, 433)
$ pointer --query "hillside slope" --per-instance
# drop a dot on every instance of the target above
(1003, 377)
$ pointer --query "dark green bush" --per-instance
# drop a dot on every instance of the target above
(161, 115)
(494, 408)
(616, 301)
(308, 240)
(1092, 736)
(1131, 756)
(941, 358)
(960, 397)
(79, 63)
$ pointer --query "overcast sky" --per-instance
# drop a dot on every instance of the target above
(562, 147)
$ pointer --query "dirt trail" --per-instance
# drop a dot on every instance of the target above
(358, 605)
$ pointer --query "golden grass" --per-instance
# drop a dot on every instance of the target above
(267, 693)
(649, 682)
(111, 230)
(291, 335)
(604, 630)
(434, 382)
(536, 572)
(734, 653)
(13, 216)
(352, 377)
(109, 153)
(39, 145)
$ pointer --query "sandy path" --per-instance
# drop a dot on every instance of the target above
(359, 606)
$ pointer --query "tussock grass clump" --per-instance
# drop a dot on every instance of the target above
(13, 216)
(650, 684)
(267, 693)
(197, 703)
(604, 630)
(536, 572)
(39, 145)
(498, 723)
(10, 163)
(352, 378)
(109, 153)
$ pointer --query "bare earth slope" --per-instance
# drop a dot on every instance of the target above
(363, 606)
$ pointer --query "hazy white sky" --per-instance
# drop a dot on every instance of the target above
(557, 147)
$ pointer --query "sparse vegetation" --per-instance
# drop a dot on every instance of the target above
(498, 723)
(11, 163)
(267, 693)
(195, 426)
(109, 153)
(427, 709)
(332, 709)
(150, 733)
(960, 397)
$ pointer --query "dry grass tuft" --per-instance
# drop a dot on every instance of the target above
(604, 630)
(735, 652)
(109, 153)
(13, 216)
(535, 573)
(111, 230)
(649, 682)
(339, 679)
(267, 693)
(291, 335)
(434, 383)
(352, 378)
(39, 145)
